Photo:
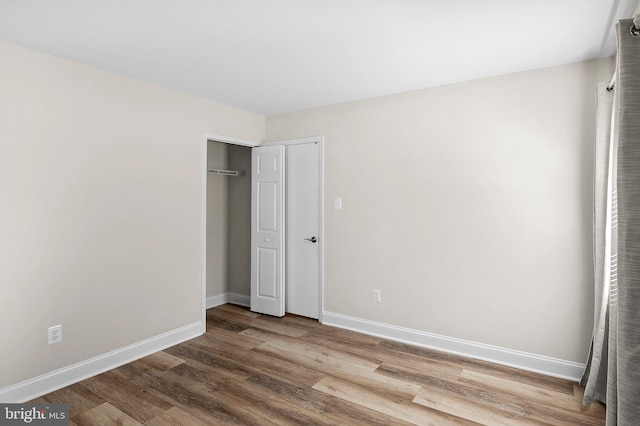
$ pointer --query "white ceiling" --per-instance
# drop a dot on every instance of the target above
(276, 56)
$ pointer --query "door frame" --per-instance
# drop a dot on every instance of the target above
(212, 137)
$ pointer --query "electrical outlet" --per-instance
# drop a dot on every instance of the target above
(55, 334)
(377, 295)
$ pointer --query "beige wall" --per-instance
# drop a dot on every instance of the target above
(468, 205)
(100, 209)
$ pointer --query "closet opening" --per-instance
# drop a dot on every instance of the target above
(228, 239)
(233, 261)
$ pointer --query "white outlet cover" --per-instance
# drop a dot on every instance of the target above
(55, 334)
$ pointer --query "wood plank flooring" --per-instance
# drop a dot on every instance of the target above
(250, 369)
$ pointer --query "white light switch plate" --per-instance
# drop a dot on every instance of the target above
(337, 203)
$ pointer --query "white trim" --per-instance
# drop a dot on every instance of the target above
(217, 300)
(54, 380)
(233, 298)
(525, 361)
(239, 299)
(298, 141)
(321, 227)
(228, 139)
(203, 235)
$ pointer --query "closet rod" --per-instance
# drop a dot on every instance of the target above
(225, 172)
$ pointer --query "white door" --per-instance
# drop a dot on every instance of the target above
(302, 222)
(267, 230)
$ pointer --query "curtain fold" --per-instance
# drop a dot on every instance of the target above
(613, 368)
(595, 377)
(627, 372)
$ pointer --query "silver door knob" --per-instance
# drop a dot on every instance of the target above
(312, 239)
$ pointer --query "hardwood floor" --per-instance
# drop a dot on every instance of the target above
(258, 370)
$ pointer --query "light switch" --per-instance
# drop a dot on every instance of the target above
(337, 204)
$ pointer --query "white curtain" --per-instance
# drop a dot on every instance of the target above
(613, 368)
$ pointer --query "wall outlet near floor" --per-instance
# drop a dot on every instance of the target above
(377, 295)
(55, 334)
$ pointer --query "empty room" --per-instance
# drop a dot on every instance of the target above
(351, 212)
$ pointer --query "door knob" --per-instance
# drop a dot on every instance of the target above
(312, 239)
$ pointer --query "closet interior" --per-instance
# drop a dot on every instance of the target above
(228, 223)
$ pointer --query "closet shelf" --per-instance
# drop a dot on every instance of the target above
(223, 172)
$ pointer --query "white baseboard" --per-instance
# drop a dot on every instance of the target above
(234, 298)
(66, 376)
(217, 300)
(525, 361)
(240, 299)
